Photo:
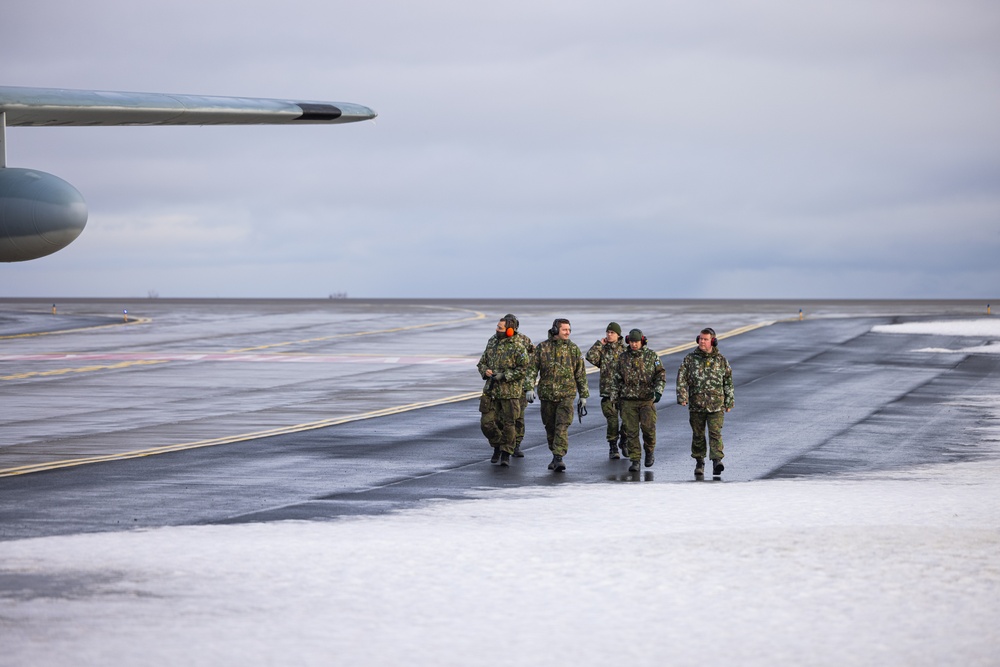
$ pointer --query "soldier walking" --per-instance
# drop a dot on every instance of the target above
(705, 385)
(559, 365)
(604, 354)
(528, 395)
(504, 366)
(639, 383)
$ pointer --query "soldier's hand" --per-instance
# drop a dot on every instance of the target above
(657, 396)
(530, 396)
(498, 376)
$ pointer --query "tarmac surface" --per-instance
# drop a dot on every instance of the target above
(197, 412)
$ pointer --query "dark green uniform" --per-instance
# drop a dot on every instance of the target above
(639, 382)
(500, 403)
(705, 383)
(605, 356)
(561, 376)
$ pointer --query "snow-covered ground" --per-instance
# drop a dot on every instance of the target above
(978, 328)
(899, 568)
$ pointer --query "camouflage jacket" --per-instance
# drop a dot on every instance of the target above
(507, 356)
(705, 382)
(639, 375)
(560, 370)
(529, 376)
(605, 356)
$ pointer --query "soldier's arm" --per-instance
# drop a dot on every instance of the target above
(727, 388)
(483, 366)
(581, 378)
(682, 385)
(659, 378)
(594, 354)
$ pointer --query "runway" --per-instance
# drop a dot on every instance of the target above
(229, 412)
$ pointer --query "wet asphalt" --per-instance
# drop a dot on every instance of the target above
(817, 397)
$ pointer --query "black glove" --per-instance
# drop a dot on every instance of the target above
(657, 396)
(498, 376)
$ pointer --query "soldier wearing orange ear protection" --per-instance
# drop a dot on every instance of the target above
(504, 366)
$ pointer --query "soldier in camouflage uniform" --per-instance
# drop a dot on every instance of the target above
(558, 363)
(504, 365)
(528, 396)
(639, 383)
(604, 354)
(705, 385)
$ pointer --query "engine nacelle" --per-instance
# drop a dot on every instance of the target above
(39, 214)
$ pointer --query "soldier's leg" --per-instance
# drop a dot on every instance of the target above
(630, 426)
(699, 447)
(563, 418)
(548, 412)
(647, 421)
(508, 409)
(715, 421)
(610, 411)
(488, 420)
(519, 425)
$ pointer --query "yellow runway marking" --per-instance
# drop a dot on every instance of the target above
(83, 369)
(138, 320)
(298, 428)
(476, 315)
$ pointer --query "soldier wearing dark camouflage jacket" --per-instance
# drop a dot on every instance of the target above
(559, 366)
(604, 354)
(504, 366)
(705, 385)
(639, 383)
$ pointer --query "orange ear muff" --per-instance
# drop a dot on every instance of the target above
(510, 332)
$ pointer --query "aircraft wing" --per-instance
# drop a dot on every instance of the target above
(59, 106)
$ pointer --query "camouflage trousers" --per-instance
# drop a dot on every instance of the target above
(700, 420)
(639, 414)
(557, 416)
(497, 420)
(519, 422)
(612, 413)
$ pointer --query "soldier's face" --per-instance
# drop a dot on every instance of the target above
(635, 344)
(502, 326)
(705, 342)
(612, 337)
(564, 330)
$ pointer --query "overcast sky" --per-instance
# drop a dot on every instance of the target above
(528, 149)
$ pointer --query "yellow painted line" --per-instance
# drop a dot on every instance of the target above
(84, 369)
(475, 316)
(297, 428)
(138, 320)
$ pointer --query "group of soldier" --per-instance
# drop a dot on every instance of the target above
(632, 380)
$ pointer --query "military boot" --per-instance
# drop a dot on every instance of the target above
(699, 467)
(552, 463)
(613, 454)
(717, 467)
(518, 454)
(649, 458)
(634, 467)
(496, 455)
(623, 443)
(557, 464)
(504, 459)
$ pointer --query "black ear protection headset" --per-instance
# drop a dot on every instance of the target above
(554, 331)
(711, 332)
